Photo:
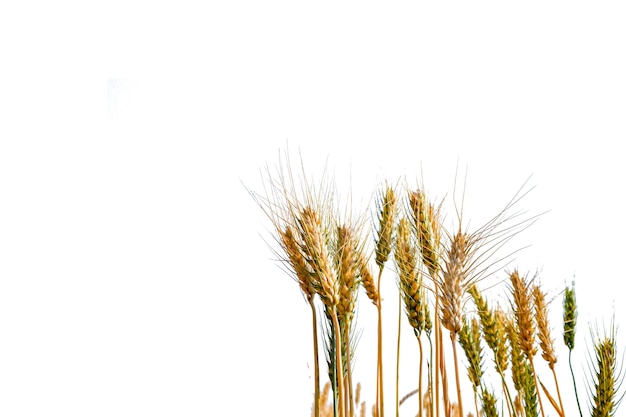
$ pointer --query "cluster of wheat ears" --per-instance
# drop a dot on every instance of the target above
(439, 272)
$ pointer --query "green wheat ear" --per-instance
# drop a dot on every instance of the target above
(489, 401)
(570, 313)
(469, 339)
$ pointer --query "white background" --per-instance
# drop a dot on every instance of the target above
(134, 275)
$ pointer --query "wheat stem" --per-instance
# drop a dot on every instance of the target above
(315, 360)
(398, 354)
(380, 350)
(457, 373)
(338, 364)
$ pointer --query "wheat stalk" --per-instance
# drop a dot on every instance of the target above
(427, 225)
(412, 291)
(387, 212)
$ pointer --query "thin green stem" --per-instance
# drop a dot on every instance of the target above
(398, 354)
(574, 381)
(419, 341)
(338, 364)
(381, 402)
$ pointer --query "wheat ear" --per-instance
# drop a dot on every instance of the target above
(488, 401)
(545, 339)
(606, 378)
(523, 308)
(494, 333)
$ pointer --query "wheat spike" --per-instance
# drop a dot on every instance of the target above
(546, 343)
(469, 338)
(315, 239)
(570, 314)
(523, 309)
(502, 356)
(490, 328)
(453, 283)
(428, 228)
(517, 356)
(387, 211)
(347, 254)
(367, 279)
(488, 401)
(301, 268)
(410, 282)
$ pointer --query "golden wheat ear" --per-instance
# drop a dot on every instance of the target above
(387, 211)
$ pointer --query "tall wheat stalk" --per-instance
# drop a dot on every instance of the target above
(427, 226)
(387, 212)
